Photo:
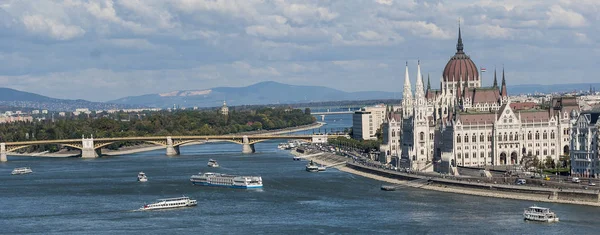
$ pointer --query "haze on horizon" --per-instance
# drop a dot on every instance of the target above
(103, 50)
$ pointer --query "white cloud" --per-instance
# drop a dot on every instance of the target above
(54, 29)
(560, 17)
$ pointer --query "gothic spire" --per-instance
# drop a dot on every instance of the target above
(503, 89)
(407, 93)
(429, 83)
(495, 80)
(419, 88)
(459, 44)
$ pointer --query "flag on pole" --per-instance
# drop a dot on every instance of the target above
(483, 70)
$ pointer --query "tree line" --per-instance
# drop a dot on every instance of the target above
(161, 123)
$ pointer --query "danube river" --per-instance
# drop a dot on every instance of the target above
(101, 196)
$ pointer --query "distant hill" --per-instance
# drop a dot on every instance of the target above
(259, 93)
(27, 100)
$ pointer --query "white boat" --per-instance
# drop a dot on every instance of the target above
(142, 177)
(296, 158)
(539, 214)
(312, 167)
(213, 163)
(170, 203)
(321, 168)
(21, 171)
(223, 180)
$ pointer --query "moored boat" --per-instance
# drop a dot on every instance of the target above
(540, 214)
(388, 188)
(212, 163)
(21, 171)
(296, 158)
(312, 167)
(223, 180)
(170, 203)
(142, 177)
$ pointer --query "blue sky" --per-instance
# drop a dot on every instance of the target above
(103, 50)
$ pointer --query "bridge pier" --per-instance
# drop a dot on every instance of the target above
(87, 150)
(171, 150)
(3, 152)
(247, 148)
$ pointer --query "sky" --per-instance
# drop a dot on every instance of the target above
(102, 50)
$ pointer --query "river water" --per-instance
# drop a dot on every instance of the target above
(100, 196)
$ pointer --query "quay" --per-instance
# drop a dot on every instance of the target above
(468, 186)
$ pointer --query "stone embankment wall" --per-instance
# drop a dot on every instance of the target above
(560, 195)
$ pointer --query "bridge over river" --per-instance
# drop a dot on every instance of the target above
(91, 148)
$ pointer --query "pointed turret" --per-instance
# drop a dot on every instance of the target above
(407, 98)
(503, 89)
(419, 88)
(429, 82)
(495, 79)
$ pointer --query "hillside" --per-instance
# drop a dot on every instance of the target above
(259, 93)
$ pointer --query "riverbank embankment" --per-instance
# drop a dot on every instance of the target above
(567, 196)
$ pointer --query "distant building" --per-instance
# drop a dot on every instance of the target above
(366, 121)
(45, 111)
(9, 119)
(62, 114)
(390, 146)
(225, 109)
(584, 145)
(35, 112)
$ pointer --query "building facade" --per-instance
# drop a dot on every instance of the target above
(366, 122)
(584, 145)
(466, 124)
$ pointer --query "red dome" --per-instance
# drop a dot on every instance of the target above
(460, 65)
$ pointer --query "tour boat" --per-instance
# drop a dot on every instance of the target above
(312, 167)
(539, 214)
(231, 181)
(142, 177)
(21, 171)
(213, 163)
(170, 203)
(322, 168)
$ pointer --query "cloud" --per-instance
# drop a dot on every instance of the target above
(560, 17)
(52, 28)
(59, 48)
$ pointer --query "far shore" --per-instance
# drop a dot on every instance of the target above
(150, 147)
(322, 159)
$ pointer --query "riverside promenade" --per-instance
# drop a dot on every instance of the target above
(461, 186)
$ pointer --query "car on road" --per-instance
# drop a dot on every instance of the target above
(590, 183)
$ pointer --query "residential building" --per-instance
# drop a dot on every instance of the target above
(584, 145)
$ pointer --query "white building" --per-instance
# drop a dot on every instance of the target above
(224, 109)
(35, 112)
(584, 145)
(366, 122)
(45, 111)
(465, 124)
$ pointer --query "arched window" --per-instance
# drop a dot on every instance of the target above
(474, 138)
(393, 134)
(552, 135)
(421, 136)
(490, 137)
(466, 139)
(458, 155)
(458, 139)
(545, 135)
(481, 138)
(466, 155)
(505, 135)
(510, 137)
(537, 135)
(482, 155)
(529, 135)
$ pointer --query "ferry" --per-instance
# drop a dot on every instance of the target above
(312, 167)
(230, 181)
(540, 214)
(21, 171)
(169, 203)
(142, 177)
(213, 163)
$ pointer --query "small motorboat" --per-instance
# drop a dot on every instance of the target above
(388, 188)
(212, 163)
(142, 177)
